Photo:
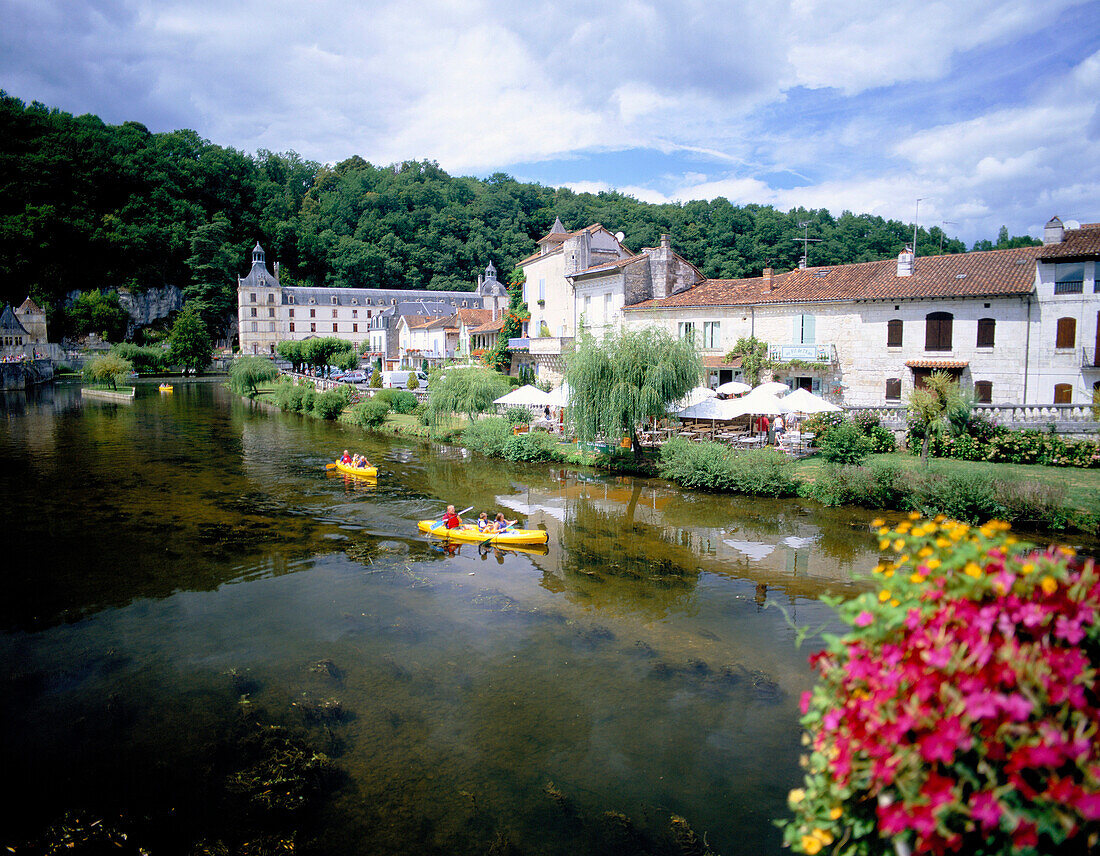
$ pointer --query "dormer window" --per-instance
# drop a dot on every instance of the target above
(290, 298)
(334, 300)
(312, 301)
(355, 301)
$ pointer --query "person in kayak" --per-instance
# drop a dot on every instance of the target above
(500, 524)
(362, 463)
(346, 459)
(483, 523)
(450, 519)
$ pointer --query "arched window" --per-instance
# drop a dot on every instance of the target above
(937, 331)
(334, 300)
(893, 333)
(987, 328)
(1067, 333)
(1063, 393)
(983, 392)
(893, 389)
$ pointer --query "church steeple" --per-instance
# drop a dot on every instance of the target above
(490, 272)
(258, 255)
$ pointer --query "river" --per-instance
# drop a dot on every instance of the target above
(182, 573)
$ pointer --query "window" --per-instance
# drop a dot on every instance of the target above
(252, 297)
(712, 334)
(271, 298)
(270, 326)
(333, 300)
(1067, 333)
(271, 312)
(987, 328)
(333, 328)
(312, 301)
(312, 313)
(291, 313)
(255, 326)
(983, 392)
(893, 389)
(355, 301)
(893, 333)
(355, 313)
(355, 328)
(686, 330)
(1069, 278)
(312, 328)
(607, 308)
(937, 331)
(253, 311)
(542, 289)
(803, 332)
(1063, 393)
(291, 326)
(290, 298)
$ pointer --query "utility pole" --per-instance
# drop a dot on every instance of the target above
(945, 223)
(806, 240)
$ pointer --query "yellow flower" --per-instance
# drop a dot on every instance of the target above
(972, 570)
(810, 845)
(1027, 568)
(835, 813)
(895, 602)
(914, 515)
(904, 527)
(889, 572)
(884, 531)
(884, 544)
(942, 542)
(877, 522)
(824, 836)
(924, 552)
(1049, 585)
(932, 564)
(903, 559)
(939, 518)
(916, 578)
(884, 595)
(796, 796)
(899, 545)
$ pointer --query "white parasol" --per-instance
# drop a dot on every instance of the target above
(801, 401)
(525, 396)
(772, 386)
(733, 387)
(560, 397)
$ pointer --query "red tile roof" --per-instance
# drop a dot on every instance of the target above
(473, 317)
(1076, 244)
(937, 364)
(986, 274)
(718, 361)
(489, 326)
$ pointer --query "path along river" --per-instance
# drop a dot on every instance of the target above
(175, 561)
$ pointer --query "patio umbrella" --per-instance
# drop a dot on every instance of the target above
(525, 396)
(560, 397)
(801, 401)
(700, 393)
(760, 403)
(733, 387)
(772, 386)
(711, 408)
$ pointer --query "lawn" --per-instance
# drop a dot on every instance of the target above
(1082, 486)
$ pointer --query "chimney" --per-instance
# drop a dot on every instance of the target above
(479, 282)
(905, 262)
(802, 263)
(767, 280)
(276, 270)
(1054, 232)
(666, 242)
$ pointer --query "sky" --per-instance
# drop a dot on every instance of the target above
(987, 111)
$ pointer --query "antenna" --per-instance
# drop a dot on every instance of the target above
(945, 223)
(806, 240)
(916, 215)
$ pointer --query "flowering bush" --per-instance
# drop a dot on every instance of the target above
(960, 713)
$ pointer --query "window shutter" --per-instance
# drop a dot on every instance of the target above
(809, 323)
(893, 333)
(815, 386)
(1067, 334)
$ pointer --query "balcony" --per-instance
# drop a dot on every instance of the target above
(805, 353)
(550, 345)
(1090, 358)
(519, 344)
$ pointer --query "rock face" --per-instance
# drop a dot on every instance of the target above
(25, 374)
(147, 306)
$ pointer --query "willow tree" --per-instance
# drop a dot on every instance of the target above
(468, 391)
(626, 378)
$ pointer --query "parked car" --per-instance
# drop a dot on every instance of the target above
(355, 377)
(400, 379)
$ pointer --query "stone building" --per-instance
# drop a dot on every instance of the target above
(33, 319)
(268, 312)
(13, 335)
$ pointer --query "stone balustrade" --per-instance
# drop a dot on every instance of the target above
(1065, 418)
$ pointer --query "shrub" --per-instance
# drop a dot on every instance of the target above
(1032, 504)
(877, 486)
(532, 446)
(329, 404)
(247, 373)
(517, 415)
(143, 359)
(289, 397)
(487, 436)
(108, 369)
(714, 466)
(412, 383)
(309, 395)
(1017, 447)
(370, 413)
(421, 413)
(386, 396)
(376, 379)
(402, 401)
(967, 497)
(958, 713)
(820, 424)
(845, 444)
(881, 439)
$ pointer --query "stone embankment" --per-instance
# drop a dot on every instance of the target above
(25, 374)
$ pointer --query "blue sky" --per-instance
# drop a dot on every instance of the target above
(988, 111)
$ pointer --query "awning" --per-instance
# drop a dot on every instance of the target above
(938, 364)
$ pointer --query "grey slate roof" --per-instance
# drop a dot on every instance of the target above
(10, 324)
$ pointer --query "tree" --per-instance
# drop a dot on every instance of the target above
(190, 343)
(346, 360)
(109, 369)
(754, 358)
(292, 351)
(469, 391)
(323, 352)
(97, 312)
(413, 382)
(935, 407)
(376, 379)
(628, 377)
(247, 373)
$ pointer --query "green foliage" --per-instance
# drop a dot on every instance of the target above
(398, 400)
(937, 409)
(325, 351)
(370, 413)
(487, 436)
(627, 378)
(190, 343)
(413, 382)
(820, 424)
(329, 404)
(293, 352)
(531, 446)
(876, 486)
(289, 397)
(716, 467)
(376, 379)
(149, 358)
(980, 440)
(845, 444)
(247, 373)
(754, 358)
(468, 391)
(517, 416)
(109, 369)
(881, 439)
(346, 360)
(97, 312)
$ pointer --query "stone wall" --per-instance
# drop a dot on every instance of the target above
(25, 374)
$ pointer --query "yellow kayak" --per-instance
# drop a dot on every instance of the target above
(361, 472)
(469, 532)
(166, 387)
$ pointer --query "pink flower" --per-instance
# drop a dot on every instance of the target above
(864, 618)
(985, 809)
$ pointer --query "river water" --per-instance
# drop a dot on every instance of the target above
(181, 573)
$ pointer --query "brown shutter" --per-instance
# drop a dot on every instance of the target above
(983, 391)
(893, 389)
(1063, 393)
(893, 333)
(937, 334)
(987, 330)
(1067, 333)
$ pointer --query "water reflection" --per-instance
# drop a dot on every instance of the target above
(189, 557)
